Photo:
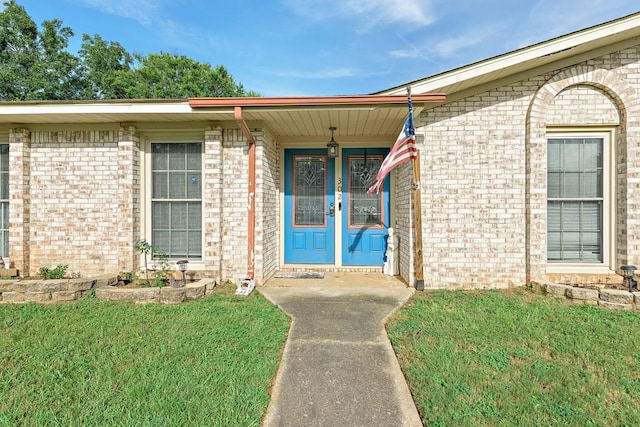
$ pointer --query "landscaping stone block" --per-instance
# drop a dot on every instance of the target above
(169, 295)
(210, 284)
(46, 286)
(106, 280)
(582, 293)
(12, 297)
(556, 289)
(23, 297)
(615, 306)
(616, 296)
(64, 296)
(139, 295)
(7, 285)
(195, 290)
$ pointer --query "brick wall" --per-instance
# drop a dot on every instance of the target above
(484, 170)
(19, 198)
(617, 77)
(73, 201)
(403, 224)
(129, 203)
(234, 205)
(267, 206)
(212, 201)
(473, 175)
(578, 105)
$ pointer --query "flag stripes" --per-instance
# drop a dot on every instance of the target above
(402, 151)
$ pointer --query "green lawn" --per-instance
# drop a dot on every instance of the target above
(96, 363)
(518, 358)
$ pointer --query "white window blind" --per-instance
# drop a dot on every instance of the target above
(575, 204)
(176, 203)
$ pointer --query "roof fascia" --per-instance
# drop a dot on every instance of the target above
(97, 108)
(320, 101)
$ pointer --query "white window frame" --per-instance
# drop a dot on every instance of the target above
(608, 198)
(168, 137)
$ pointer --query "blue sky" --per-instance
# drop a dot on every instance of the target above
(327, 47)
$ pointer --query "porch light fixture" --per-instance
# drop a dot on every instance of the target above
(332, 146)
(182, 265)
(627, 273)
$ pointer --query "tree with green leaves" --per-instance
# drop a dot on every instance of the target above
(35, 64)
(103, 63)
(164, 75)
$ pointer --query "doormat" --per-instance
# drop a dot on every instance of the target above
(299, 275)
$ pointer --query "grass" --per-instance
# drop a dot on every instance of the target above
(94, 363)
(518, 358)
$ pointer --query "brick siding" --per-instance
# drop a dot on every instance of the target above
(484, 170)
(76, 196)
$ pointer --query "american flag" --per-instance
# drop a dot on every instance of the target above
(403, 150)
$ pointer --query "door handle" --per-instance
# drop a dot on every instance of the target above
(332, 209)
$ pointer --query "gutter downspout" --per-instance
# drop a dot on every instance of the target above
(251, 220)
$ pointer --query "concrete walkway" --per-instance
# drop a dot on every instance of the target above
(338, 367)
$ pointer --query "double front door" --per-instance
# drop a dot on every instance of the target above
(329, 217)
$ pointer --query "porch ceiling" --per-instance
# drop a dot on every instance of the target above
(309, 124)
(301, 119)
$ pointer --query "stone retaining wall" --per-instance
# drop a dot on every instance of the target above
(44, 291)
(609, 298)
(164, 295)
(64, 290)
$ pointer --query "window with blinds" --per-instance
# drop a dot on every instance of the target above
(4, 200)
(575, 199)
(176, 203)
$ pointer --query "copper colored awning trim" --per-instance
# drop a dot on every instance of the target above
(310, 101)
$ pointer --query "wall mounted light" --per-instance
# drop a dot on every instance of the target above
(332, 146)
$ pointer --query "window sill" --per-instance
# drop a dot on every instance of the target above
(197, 265)
(579, 269)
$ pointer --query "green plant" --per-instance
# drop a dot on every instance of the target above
(160, 259)
(57, 272)
(128, 276)
(145, 248)
(162, 271)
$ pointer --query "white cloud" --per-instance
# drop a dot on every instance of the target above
(551, 18)
(142, 11)
(464, 40)
(334, 73)
(367, 13)
(560, 17)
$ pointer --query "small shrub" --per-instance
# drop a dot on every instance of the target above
(55, 273)
(162, 272)
(128, 276)
(160, 261)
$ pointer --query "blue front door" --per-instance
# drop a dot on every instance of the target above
(309, 232)
(366, 217)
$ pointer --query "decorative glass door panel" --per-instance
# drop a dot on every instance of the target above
(364, 227)
(310, 190)
(364, 209)
(309, 207)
